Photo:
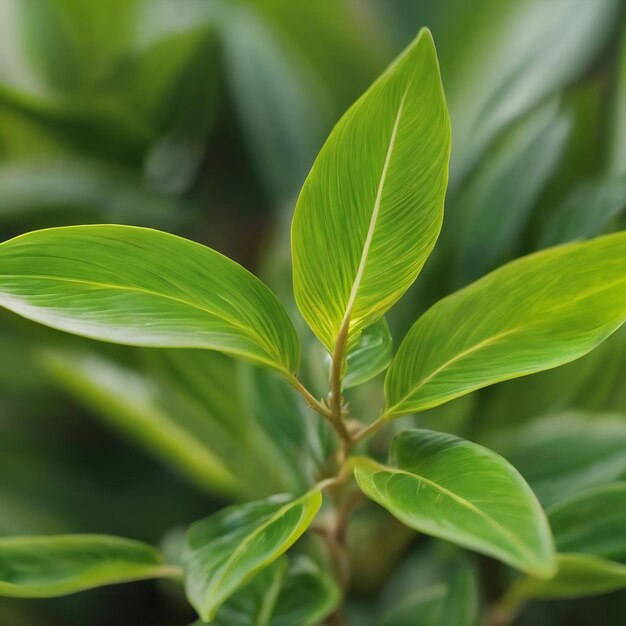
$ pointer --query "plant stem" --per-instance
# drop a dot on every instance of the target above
(312, 401)
(371, 429)
(336, 397)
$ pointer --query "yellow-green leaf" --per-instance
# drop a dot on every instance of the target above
(371, 208)
(49, 566)
(143, 287)
(533, 314)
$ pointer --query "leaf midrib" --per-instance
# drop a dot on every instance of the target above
(492, 339)
(248, 332)
(374, 217)
(301, 501)
(460, 500)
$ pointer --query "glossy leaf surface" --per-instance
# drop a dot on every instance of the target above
(56, 565)
(144, 287)
(456, 490)
(371, 208)
(533, 314)
(290, 592)
(226, 549)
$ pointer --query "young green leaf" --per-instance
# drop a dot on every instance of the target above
(578, 575)
(225, 550)
(45, 567)
(371, 208)
(370, 354)
(290, 592)
(144, 287)
(593, 522)
(459, 491)
(533, 314)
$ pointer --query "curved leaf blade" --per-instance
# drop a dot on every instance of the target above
(371, 208)
(57, 565)
(144, 287)
(295, 591)
(578, 575)
(459, 491)
(225, 550)
(532, 314)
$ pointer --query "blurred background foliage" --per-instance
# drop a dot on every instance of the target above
(202, 117)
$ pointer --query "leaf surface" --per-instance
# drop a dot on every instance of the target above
(295, 591)
(578, 575)
(562, 455)
(57, 565)
(593, 522)
(456, 490)
(226, 549)
(532, 314)
(138, 286)
(371, 208)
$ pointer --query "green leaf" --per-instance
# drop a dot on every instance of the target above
(226, 549)
(437, 586)
(370, 354)
(459, 491)
(371, 208)
(290, 592)
(562, 455)
(144, 287)
(592, 522)
(45, 567)
(578, 575)
(586, 211)
(511, 175)
(533, 314)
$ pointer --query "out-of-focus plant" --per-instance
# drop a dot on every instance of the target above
(366, 220)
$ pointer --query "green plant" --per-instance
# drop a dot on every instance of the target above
(366, 221)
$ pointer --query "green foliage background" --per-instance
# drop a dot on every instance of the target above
(202, 117)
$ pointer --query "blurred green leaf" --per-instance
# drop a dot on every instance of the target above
(435, 587)
(44, 567)
(87, 192)
(514, 55)
(152, 411)
(225, 550)
(288, 592)
(385, 158)
(137, 286)
(618, 134)
(578, 575)
(276, 98)
(586, 211)
(517, 320)
(562, 455)
(497, 201)
(592, 522)
(488, 506)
